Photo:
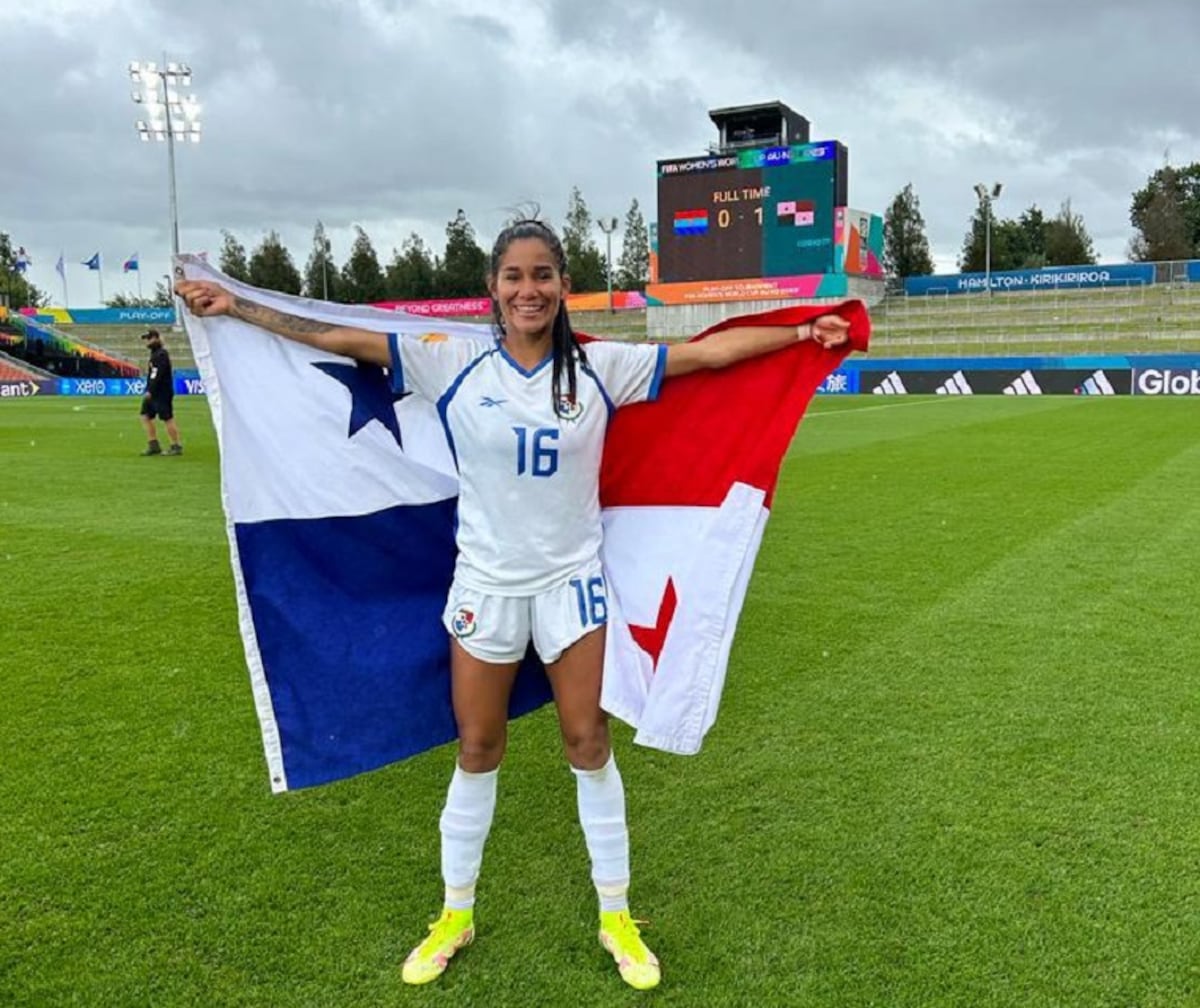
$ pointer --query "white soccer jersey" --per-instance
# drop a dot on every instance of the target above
(529, 501)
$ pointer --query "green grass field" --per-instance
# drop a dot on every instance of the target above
(955, 765)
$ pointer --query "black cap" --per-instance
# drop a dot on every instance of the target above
(151, 334)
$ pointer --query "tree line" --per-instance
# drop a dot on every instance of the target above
(1165, 214)
(415, 272)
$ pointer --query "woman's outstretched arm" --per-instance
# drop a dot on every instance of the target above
(743, 342)
(205, 299)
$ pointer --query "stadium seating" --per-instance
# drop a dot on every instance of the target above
(1149, 318)
(126, 342)
(10, 371)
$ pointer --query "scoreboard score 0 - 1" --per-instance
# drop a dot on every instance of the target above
(764, 212)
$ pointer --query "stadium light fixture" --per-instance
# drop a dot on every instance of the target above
(171, 114)
(608, 225)
(986, 198)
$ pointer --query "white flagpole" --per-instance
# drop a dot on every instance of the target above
(63, 273)
(138, 271)
(100, 277)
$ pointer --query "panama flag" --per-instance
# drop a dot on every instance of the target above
(339, 499)
(130, 264)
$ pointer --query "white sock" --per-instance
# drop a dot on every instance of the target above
(466, 820)
(601, 798)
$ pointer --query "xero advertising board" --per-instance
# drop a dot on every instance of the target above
(754, 213)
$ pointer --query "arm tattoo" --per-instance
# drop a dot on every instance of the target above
(290, 326)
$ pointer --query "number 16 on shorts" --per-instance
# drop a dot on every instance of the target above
(593, 610)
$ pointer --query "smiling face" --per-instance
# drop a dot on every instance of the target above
(528, 288)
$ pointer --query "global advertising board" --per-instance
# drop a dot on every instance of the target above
(1166, 381)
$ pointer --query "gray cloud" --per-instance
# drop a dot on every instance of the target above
(394, 114)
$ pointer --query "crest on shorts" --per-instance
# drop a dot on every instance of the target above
(463, 623)
(569, 408)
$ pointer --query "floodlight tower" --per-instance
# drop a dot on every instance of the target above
(171, 114)
(608, 225)
(986, 196)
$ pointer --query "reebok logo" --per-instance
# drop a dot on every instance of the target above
(956, 384)
(1023, 384)
(489, 401)
(891, 385)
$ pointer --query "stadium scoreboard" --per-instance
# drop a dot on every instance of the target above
(761, 212)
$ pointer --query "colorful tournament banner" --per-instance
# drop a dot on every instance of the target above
(858, 242)
(101, 316)
(816, 285)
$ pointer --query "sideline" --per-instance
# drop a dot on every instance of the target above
(881, 406)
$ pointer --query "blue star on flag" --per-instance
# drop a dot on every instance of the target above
(371, 396)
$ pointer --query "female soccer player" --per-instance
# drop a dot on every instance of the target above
(525, 415)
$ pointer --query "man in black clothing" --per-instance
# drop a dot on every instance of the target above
(160, 396)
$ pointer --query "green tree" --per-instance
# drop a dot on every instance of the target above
(973, 255)
(1029, 240)
(464, 265)
(1067, 240)
(585, 262)
(362, 276)
(1007, 243)
(905, 246)
(633, 266)
(1166, 214)
(320, 272)
(163, 298)
(127, 300)
(272, 268)
(19, 291)
(232, 261)
(412, 273)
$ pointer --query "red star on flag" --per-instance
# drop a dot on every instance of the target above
(651, 639)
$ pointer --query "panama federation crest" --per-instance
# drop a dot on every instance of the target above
(463, 623)
(568, 408)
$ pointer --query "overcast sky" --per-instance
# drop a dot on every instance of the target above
(392, 114)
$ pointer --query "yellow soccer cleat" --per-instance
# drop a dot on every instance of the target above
(620, 936)
(449, 933)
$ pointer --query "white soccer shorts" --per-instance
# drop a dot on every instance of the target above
(498, 628)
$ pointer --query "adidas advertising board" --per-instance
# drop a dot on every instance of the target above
(1023, 384)
(889, 384)
(956, 384)
(1001, 381)
(1166, 381)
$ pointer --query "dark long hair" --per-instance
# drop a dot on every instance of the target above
(565, 346)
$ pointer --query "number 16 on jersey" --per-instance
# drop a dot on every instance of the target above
(537, 455)
(593, 607)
